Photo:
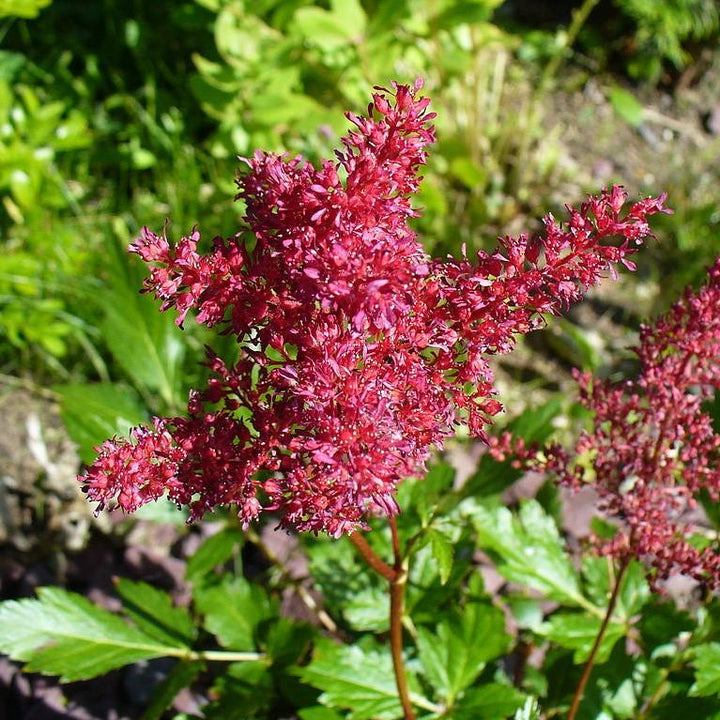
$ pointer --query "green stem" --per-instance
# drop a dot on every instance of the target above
(578, 20)
(221, 656)
(580, 689)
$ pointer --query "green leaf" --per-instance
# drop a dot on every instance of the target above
(93, 413)
(351, 14)
(287, 641)
(634, 592)
(368, 609)
(443, 552)
(456, 652)
(154, 613)
(144, 342)
(577, 631)
(627, 106)
(536, 426)
(319, 713)
(661, 623)
(529, 549)
(245, 691)
(215, 551)
(706, 659)
(327, 30)
(181, 676)
(233, 609)
(428, 491)
(491, 701)
(22, 8)
(353, 678)
(492, 477)
(62, 633)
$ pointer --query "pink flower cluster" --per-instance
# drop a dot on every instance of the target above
(653, 447)
(358, 353)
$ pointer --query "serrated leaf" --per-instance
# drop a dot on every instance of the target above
(529, 550)
(181, 676)
(706, 659)
(457, 651)
(634, 592)
(354, 678)
(215, 550)
(444, 553)
(62, 633)
(233, 609)
(368, 609)
(577, 631)
(154, 613)
(491, 702)
(245, 691)
(93, 413)
(287, 641)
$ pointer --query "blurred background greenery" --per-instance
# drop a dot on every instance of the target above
(119, 113)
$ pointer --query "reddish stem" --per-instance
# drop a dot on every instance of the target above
(396, 577)
(397, 602)
(580, 689)
(369, 556)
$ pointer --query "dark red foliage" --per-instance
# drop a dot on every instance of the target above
(359, 353)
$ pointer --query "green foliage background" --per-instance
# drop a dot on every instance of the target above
(134, 113)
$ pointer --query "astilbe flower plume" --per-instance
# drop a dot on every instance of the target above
(358, 353)
(653, 448)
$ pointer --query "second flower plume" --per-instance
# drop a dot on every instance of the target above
(358, 353)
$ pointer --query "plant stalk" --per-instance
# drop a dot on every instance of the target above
(369, 556)
(580, 689)
(397, 602)
(396, 577)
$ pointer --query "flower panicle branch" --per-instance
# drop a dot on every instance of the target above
(652, 449)
(358, 352)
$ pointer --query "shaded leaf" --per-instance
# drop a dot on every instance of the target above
(492, 701)
(154, 613)
(233, 609)
(457, 651)
(181, 676)
(244, 691)
(215, 550)
(288, 641)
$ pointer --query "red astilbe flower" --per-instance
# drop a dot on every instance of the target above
(359, 353)
(653, 448)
